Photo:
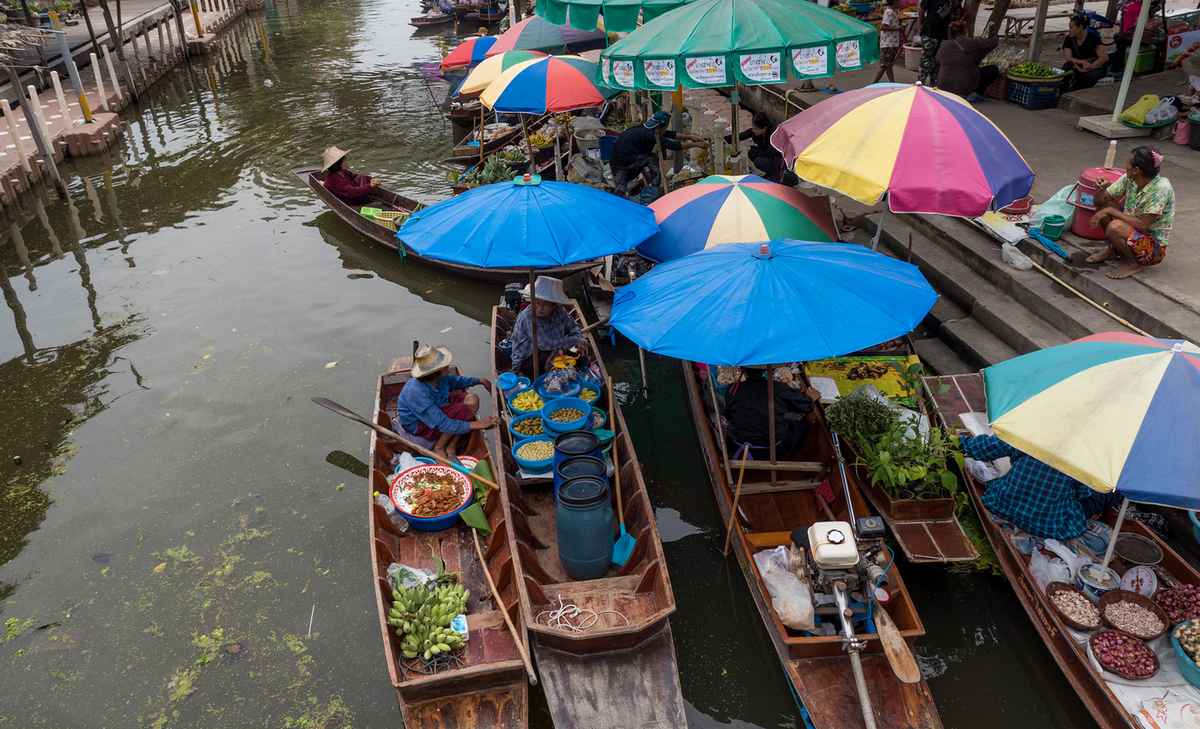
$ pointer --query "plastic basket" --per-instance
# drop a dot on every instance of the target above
(912, 56)
(1033, 95)
(998, 89)
(369, 212)
(1194, 139)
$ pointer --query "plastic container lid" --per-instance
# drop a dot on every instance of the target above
(577, 443)
(583, 491)
(1088, 177)
(507, 381)
(580, 466)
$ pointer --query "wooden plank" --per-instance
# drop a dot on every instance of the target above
(778, 487)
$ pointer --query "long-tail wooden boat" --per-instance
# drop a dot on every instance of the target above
(926, 529)
(483, 17)
(768, 510)
(489, 688)
(431, 21)
(386, 237)
(966, 395)
(622, 671)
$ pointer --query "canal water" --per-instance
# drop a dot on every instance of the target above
(167, 488)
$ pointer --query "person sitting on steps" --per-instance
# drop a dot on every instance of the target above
(434, 407)
(1139, 230)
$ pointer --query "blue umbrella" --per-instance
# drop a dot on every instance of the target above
(759, 303)
(531, 223)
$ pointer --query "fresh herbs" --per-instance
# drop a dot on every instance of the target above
(860, 419)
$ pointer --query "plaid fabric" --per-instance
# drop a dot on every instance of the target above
(1032, 495)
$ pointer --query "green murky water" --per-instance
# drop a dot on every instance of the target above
(167, 489)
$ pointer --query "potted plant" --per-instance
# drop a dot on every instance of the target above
(904, 461)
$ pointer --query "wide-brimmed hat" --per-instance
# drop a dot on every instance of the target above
(331, 156)
(550, 289)
(429, 359)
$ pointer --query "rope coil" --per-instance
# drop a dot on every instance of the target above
(560, 617)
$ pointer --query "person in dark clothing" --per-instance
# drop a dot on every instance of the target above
(959, 58)
(935, 17)
(746, 410)
(762, 154)
(1086, 54)
(351, 188)
(633, 152)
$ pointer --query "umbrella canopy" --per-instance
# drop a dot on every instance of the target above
(1114, 410)
(735, 304)
(711, 43)
(620, 16)
(538, 34)
(532, 223)
(551, 84)
(930, 151)
(490, 69)
(468, 53)
(733, 209)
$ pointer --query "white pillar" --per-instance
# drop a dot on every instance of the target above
(162, 45)
(170, 37)
(15, 131)
(62, 100)
(149, 50)
(38, 117)
(112, 73)
(99, 82)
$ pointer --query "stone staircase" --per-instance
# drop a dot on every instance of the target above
(989, 312)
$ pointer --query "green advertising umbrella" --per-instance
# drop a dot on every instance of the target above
(715, 43)
(620, 16)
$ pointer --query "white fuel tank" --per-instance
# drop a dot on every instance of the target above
(832, 544)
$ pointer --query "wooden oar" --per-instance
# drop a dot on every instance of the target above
(348, 413)
(592, 326)
(898, 653)
(737, 495)
(517, 637)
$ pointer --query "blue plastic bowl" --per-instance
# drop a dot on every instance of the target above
(1186, 665)
(541, 466)
(516, 409)
(587, 384)
(573, 388)
(554, 406)
(520, 436)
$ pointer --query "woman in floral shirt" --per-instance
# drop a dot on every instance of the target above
(1138, 234)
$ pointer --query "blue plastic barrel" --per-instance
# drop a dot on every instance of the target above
(575, 443)
(577, 467)
(606, 145)
(584, 519)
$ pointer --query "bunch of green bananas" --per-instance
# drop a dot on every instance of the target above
(422, 618)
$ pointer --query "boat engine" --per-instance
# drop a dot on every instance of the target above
(512, 296)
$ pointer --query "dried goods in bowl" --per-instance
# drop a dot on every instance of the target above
(1073, 607)
(1131, 613)
(430, 491)
(1123, 654)
(1179, 603)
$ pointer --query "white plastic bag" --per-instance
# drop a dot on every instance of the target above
(1056, 205)
(1046, 570)
(401, 575)
(983, 471)
(1163, 112)
(1013, 256)
(1070, 559)
(790, 597)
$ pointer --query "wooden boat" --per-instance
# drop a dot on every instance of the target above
(483, 17)
(966, 394)
(599, 291)
(465, 149)
(489, 688)
(621, 672)
(431, 21)
(774, 502)
(926, 529)
(386, 237)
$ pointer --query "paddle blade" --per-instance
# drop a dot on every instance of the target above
(898, 653)
(623, 548)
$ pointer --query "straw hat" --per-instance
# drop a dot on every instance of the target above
(332, 155)
(428, 360)
(551, 289)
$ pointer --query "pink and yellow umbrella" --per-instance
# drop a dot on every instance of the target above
(929, 151)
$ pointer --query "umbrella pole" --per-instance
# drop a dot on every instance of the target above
(480, 137)
(1112, 542)
(712, 390)
(533, 319)
(529, 147)
(771, 414)
(879, 228)
(642, 362)
(735, 130)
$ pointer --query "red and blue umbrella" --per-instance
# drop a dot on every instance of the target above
(551, 84)
(469, 53)
(928, 150)
(733, 209)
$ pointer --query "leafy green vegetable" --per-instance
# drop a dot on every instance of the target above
(860, 419)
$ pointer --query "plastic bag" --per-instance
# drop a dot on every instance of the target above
(1069, 558)
(1056, 205)
(403, 461)
(1046, 570)
(1013, 256)
(983, 471)
(790, 597)
(1163, 112)
(401, 575)
(1136, 114)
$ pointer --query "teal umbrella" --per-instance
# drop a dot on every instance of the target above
(620, 16)
(713, 43)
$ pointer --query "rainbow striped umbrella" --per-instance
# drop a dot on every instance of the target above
(733, 209)
(490, 69)
(929, 151)
(469, 53)
(1114, 410)
(551, 84)
(531, 34)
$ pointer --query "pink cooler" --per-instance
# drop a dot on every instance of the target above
(1083, 198)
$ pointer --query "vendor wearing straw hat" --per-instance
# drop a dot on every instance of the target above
(350, 188)
(433, 407)
(556, 328)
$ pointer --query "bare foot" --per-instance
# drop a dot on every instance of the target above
(451, 452)
(1126, 270)
(441, 452)
(1104, 255)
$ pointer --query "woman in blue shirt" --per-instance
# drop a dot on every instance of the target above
(433, 406)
